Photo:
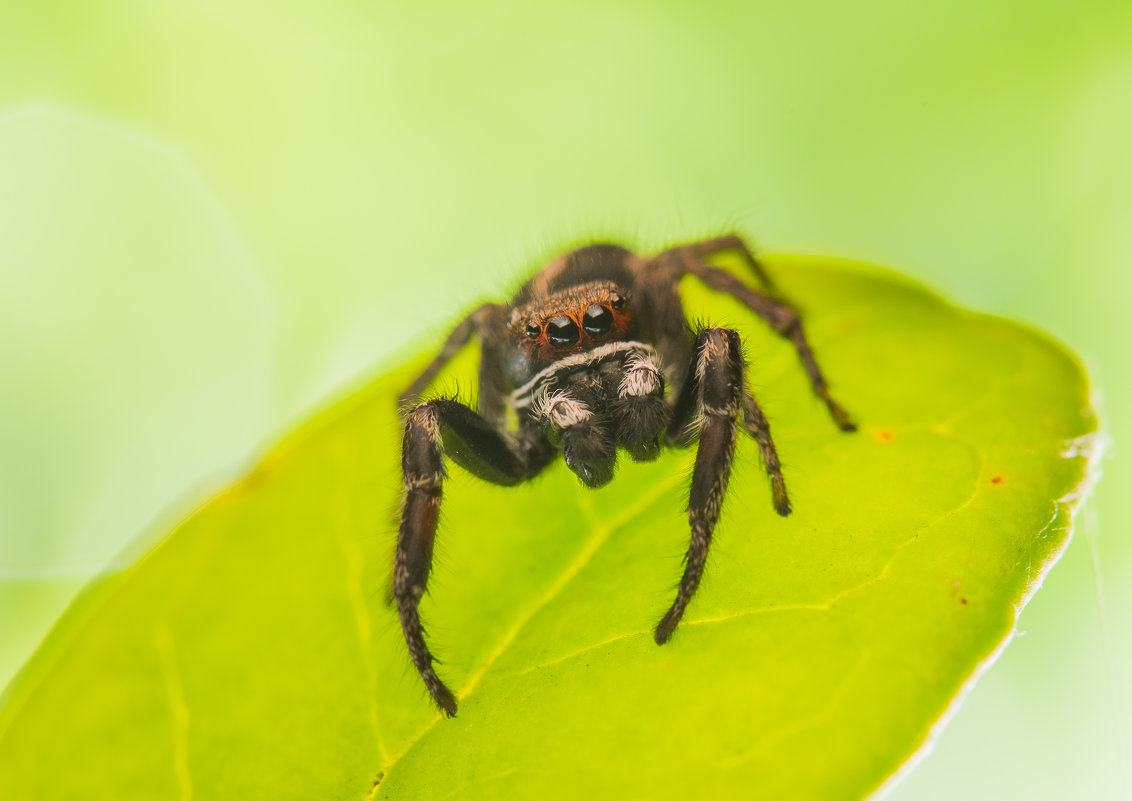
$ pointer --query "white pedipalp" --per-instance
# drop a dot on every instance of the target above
(642, 376)
(560, 408)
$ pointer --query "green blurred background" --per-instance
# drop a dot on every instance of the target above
(213, 215)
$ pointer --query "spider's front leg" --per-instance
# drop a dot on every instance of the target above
(714, 386)
(433, 429)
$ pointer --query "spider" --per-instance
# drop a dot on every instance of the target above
(582, 356)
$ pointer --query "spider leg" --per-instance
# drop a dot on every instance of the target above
(720, 244)
(783, 319)
(434, 429)
(658, 280)
(680, 433)
(489, 321)
(486, 321)
(493, 352)
(755, 422)
(717, 374)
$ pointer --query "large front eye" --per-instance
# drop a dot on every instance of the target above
(598, 321)
(562, 332)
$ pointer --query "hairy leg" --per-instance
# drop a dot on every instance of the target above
(784, 320)
(698, 251)
(484, 321)
(718, 371)
(755, 422)
(434, 429)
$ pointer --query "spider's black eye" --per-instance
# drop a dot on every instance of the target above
(532, 331)
(618, 303)
(562, 332)
(598, 320)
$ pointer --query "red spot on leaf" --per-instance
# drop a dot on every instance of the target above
(996, 479)
(883, 434)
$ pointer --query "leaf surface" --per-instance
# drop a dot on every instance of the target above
(250, 652)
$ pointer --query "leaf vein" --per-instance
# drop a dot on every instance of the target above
(175, 692)
(355, 564)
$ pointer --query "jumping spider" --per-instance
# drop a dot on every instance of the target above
(582, 355)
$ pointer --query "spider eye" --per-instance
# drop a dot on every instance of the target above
(598, 320)
(562, 332)
(618, 303)
(533, 330)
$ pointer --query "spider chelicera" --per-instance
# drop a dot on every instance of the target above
(582, 355)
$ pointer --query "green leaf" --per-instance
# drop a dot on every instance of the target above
(250, 653)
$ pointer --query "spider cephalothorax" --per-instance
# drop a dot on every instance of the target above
(583, 355)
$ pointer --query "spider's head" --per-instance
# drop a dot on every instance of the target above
(574, 320)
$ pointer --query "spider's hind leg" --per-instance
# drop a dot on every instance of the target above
(755, 422)
(728, 242)
(784, 319)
